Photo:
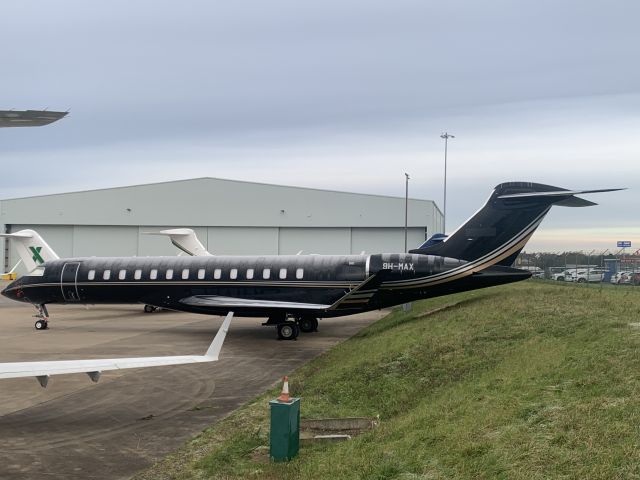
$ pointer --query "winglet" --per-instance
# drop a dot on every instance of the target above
(216, 345)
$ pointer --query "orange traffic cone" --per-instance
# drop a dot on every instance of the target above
(284, 396)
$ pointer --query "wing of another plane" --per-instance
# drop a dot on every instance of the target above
(28, 118)
(93, 368)
(233, 302)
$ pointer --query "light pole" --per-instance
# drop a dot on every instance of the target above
(406, 209)
(407, 306)
(446, 137)
(588, 265)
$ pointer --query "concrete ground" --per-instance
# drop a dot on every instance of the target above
(75, 429)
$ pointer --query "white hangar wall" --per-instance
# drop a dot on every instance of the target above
(229, 217)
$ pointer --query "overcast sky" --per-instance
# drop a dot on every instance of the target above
(343, 95)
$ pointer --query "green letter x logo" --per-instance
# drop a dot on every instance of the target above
(36, 254)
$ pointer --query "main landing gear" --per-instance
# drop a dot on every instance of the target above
(43, 318)
(308, 324)
(290, 329)
(150, 309)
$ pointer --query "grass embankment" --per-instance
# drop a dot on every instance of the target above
(523, 381)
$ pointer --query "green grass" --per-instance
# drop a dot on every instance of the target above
(530, 380)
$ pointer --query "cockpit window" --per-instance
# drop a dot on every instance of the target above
(37, 272)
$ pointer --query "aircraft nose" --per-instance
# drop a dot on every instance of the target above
(6, 293)
(11, 291)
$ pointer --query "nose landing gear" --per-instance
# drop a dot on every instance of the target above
(43, 318)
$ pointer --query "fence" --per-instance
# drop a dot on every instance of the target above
(618, 267)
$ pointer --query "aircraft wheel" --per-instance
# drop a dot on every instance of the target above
(149, 309)
(288, 331)
(308, 324)
(41, 325)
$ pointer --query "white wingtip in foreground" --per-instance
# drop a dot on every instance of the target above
(93, 368)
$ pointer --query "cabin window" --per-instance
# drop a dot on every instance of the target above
(234, 274)
(201, 274)
(122, 274)
(266, 273)
(106, 275)
(283, 273)
(137, 275)
(217, 273)
(91, 275)
(249, 273)
(153, 274)
(169, 274)
(300, 273)
(185, 274)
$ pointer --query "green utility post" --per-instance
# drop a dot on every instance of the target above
(285, 426)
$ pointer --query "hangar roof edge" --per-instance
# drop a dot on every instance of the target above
(222, 180)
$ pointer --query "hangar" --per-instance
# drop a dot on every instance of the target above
(229, 217)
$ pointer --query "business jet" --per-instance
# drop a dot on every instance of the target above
(294, 291)
(33, 250)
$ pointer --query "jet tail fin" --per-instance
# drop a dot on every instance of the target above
(185, 239)
(500, 229)
(31, 248)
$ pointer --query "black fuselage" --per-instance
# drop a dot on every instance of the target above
(261, 286)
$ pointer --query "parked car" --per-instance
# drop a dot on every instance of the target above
(591, 275)
(626, 278)
(621, 278)
(565, 276)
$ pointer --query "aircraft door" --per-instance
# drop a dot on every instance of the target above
(69, 282)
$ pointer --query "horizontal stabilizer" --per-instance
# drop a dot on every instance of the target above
(575, 202)
(558, 193)
(20, 234)
(43, 370)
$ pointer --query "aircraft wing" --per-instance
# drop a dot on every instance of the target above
(28, 118)
(233, 302)
(93, 368)
(361, 295)
(357, 297)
